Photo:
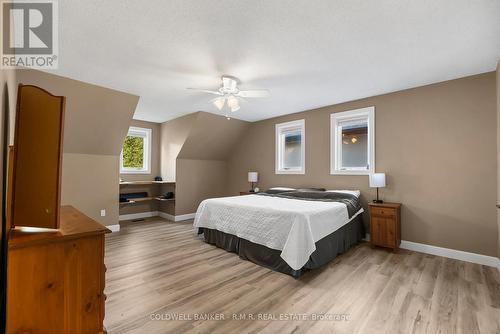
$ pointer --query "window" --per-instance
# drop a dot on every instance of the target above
(290, 147)
(352, 142)
(136, 153)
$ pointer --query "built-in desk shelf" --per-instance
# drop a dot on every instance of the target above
(124, 183)
(149, 198)
(164, 199)
(144, 199)
(136, 200)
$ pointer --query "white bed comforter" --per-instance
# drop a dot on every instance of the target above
(290, 225)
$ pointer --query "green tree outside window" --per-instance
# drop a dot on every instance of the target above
(133, 152)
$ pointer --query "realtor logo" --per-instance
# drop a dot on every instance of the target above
(29, 34)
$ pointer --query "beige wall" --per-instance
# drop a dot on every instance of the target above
(96, 122)
(90, 183)
(155, 152)
(498, 150)
(173, 135)
(437, 145)
(201, 168)
(198, 180)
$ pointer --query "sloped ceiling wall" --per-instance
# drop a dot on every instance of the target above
(212, 137)
(96, 122)
(197, 136)
(173, 136)
(194, 153)
(97, 118)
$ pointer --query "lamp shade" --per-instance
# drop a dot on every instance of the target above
(377, 180)
(253, 176)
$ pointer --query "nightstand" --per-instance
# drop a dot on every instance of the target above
(385, 224)
(247, 193)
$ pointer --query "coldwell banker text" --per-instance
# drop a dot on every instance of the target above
(29, 34)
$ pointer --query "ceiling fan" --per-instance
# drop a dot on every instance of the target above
(229, 94)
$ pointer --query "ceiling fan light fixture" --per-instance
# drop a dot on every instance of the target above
(219, 103)
(229, 94)
(233, 103)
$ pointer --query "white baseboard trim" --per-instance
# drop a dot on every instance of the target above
(114, 228)
(166, 216)
(449, 253)
(157, 214)
(452, 253)
(185, 217)
(138, 215)
(176, 218)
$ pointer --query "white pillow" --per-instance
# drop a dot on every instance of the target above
(281, 188)
(351, 192)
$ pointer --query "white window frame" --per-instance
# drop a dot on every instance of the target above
(280, 145)
(336, 141)
(146, 134)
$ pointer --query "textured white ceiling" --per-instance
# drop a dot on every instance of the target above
(307, 53)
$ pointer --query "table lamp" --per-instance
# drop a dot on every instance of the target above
(377, 180)
(252, 178)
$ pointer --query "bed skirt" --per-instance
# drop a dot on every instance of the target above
(327, 248)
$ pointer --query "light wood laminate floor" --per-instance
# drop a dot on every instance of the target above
(161, 269)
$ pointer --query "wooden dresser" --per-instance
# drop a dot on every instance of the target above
(385, 224)
(55, 254)
(55, 278)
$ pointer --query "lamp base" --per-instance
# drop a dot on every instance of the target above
(377, 200)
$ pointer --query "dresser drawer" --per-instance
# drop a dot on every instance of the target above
(384, 212)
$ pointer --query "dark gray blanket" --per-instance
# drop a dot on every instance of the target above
(352, 202)
(327, 248)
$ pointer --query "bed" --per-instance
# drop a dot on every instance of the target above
(287, 230)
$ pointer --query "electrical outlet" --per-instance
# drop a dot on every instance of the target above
(103, 212)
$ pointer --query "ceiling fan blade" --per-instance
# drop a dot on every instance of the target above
(206, 91)
(242, 99)
(253, 93)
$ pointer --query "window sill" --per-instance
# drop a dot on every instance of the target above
(351, 172)
(296, 172)
(135, 172)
